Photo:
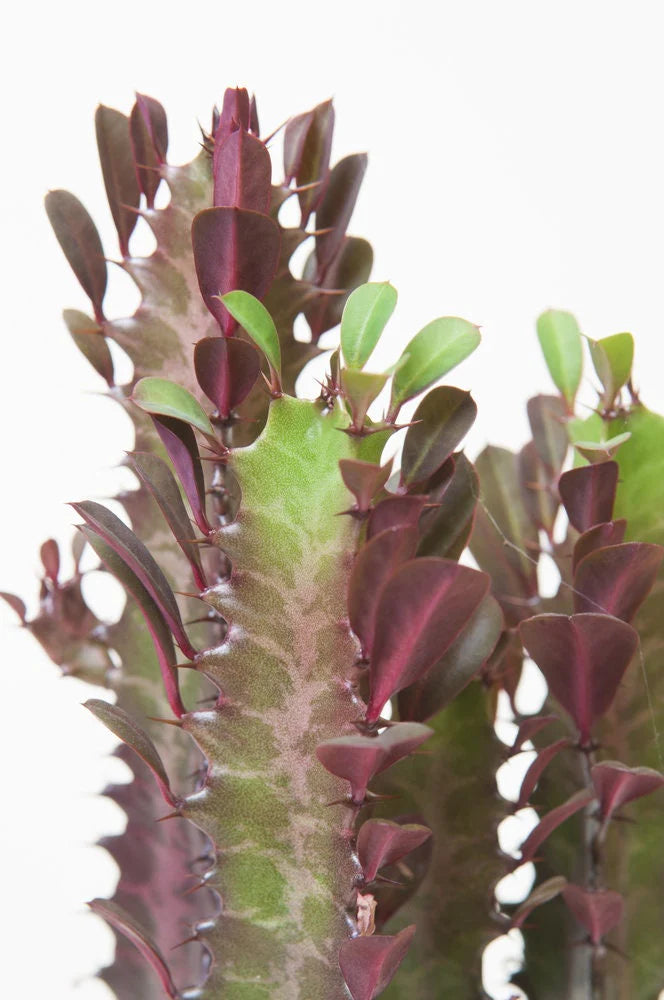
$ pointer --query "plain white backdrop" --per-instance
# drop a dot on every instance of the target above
(516, 162)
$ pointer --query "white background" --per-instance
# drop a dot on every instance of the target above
(516, 162)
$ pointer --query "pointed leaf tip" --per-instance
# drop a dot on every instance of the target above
(560, 339)
(588, 494)
(369, 963)
(161, 397)
(381, 842)
(617, 784)
(127, 926)
(439, 424)
(123, 726)
(599, 911)
(254, 318)
(81, 244)
(440, 346)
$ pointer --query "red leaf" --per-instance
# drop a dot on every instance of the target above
(117, 165)
(617, 784)
(374, 565)
(307, 145)
(88, 336)
(159, 480)
(422, 609)
(364, 480)
(351, 267)
(551, 822)
(583, 659)
(81, 244)
(159, 631)
(179, 441)
(126, 925)
(440, 423)
(336, 207)
(536, 769)
(538, 497)
(369, 963)
(15, 603)
(226, 369)
(242, 173)
(235, 114)
(617, 579)
(50, 557)
(396, 512)
(609, 533)
(126, 729)
(233, 249)
(588, 494)
(541, 894)
(597, 910)
(358, 758)
(382, 842)
(135, 555)
(149, 138)
(445, 528)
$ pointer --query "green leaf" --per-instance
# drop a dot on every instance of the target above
(612, 358)
(601, 451)
(256, 320)
(168, 399)
(360, 389)
(364, 318)
(560, 339)
(434, 351)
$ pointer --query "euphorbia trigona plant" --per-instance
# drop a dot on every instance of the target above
(309, 721)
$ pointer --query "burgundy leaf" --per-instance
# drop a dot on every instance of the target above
(50, 557)
(235, 114)
(358, 758)
(226, 369)
(127, 926)
(88, 336)
(157, 627)
(364, 480)
(135, 555)
(179, 441)
(159, 480)
(609, 533)
(440, 423)
(446, 528)
(117, 165)
(15, 603)
(617, 784)
(541, 894)
(233, 249)
(242, 173)
(382, 842)
(551, 822)
(77, 235)
(598, 910)
(336, 206)
(460, 663)
(253, 116)
(583, 659)
(529, 728)
(422, 609)
(617, 579)
(149, 138)
(307, 146)
(588, 494)
(395, 512)
(126, 729)
(374, 565)
(351, 267)
(369, 963)
(548, 417)
(536, 769)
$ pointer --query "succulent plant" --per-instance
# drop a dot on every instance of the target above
(305, 676)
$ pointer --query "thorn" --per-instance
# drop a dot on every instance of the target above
(200, 885)
(305, 187)
(188, 940)
(185, 593)
(321, 232)
(172, 815)
(167, 722)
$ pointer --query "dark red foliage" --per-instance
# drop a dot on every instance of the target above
(598, 910)
(364, 480)
(617, 784)
(81, 244)
(551, 822)
(116, 156)
(440, 423)
(179, 441)
(149, 138)
(536, 769)
(127, 926)
(369, 963)
(382, 842)
(617, 579)
(242, 173)
(588, 494)
(226, 369)
(601, 535)
(583, 659)
(423, 607)
(395, 512)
